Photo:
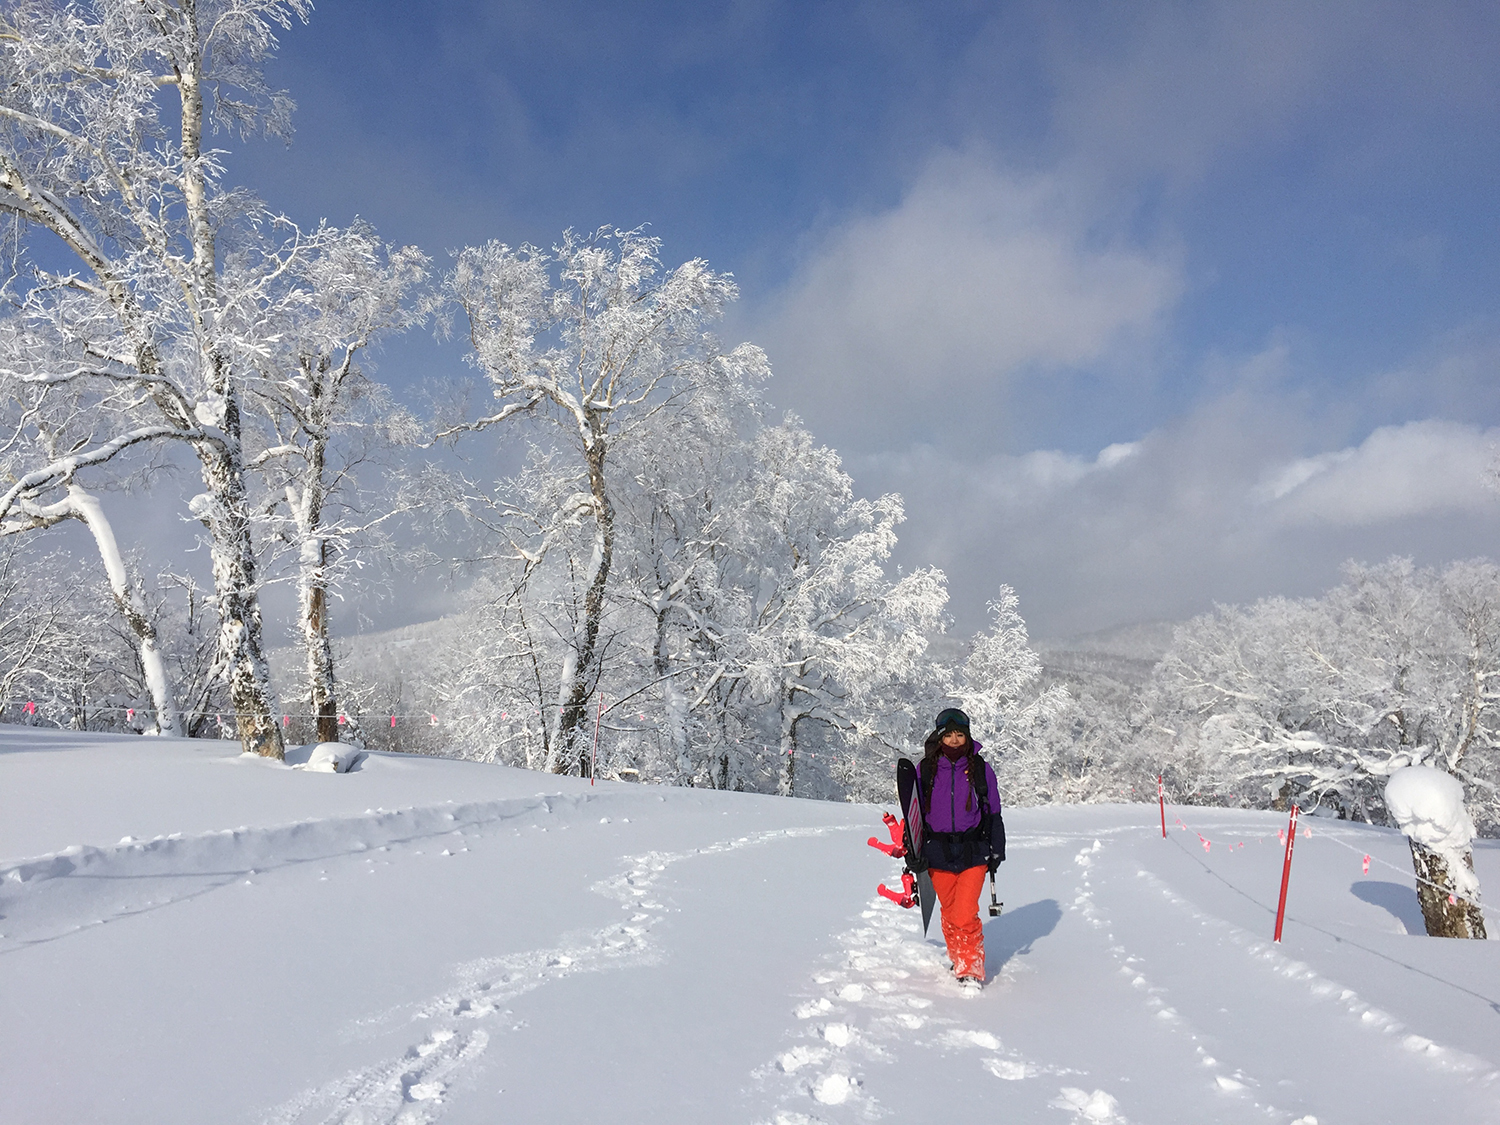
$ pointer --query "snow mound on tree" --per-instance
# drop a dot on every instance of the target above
(1428, 806)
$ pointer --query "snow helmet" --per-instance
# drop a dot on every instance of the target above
(951, 718)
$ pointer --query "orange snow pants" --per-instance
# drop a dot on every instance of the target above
(958, 894)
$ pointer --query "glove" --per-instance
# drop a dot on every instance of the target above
(994, 863)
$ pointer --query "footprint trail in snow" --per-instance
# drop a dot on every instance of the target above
(410, 1088)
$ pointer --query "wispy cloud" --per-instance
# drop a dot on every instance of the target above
(977, 277)
(1398, 472)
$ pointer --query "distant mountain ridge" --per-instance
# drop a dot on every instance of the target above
(1108, 663)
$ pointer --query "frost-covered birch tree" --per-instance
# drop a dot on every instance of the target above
(686, 533)
(593, 340)
(45, 422)
(105, 110)
(325, 419)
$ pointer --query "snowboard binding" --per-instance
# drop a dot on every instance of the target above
(908, 897)
(896, 849)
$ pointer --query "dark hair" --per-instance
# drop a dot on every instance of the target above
(933, 749)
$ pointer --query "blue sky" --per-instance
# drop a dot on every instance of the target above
(1141, 307)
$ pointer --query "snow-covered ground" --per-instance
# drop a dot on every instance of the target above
(191, 936)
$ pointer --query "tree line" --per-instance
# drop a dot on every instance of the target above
(666, 549)
(673, 580)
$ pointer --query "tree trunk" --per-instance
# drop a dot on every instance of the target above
(1445, 914)
(788, 746)
(319, 647)
(225, 513)
(132, 608)
(312, 579)
(573, 698)
(675, 705)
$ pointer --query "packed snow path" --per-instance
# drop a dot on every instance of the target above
(426, 941)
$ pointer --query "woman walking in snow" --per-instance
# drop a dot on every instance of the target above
(965, 835)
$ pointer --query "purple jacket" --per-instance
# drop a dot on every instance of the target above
(951, 790)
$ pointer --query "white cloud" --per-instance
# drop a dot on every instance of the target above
(1418, 469)
(1223, 504)
(1120, 451)
(1175, 89)
(1286, 478)
(976, 276)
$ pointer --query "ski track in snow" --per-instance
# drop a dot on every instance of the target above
(409, 1089)
(884, 984)
(1438, 1057)
(1253, 953)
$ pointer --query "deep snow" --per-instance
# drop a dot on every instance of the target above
(424, 940)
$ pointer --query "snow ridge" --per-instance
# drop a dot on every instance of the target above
(47, 897)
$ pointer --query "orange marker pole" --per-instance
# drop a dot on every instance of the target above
(1286, 871)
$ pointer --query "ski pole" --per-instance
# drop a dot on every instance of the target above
(995, 903)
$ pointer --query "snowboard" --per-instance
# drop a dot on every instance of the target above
(908, 794)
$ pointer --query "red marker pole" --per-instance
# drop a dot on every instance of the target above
(1286, 871)
(594, 756)
(1161, 796)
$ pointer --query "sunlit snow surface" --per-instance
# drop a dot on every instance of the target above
(423, 940)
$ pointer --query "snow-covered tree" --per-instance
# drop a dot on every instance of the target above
(49, 421)
(685, 526)
(326, 418)
(1427, 805)
(827, 631)
(597, 340)
(998, 685)
(104, 111)
(1322, 699)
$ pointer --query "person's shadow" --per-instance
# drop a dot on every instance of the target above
(1013, 932)
(1394, 899)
